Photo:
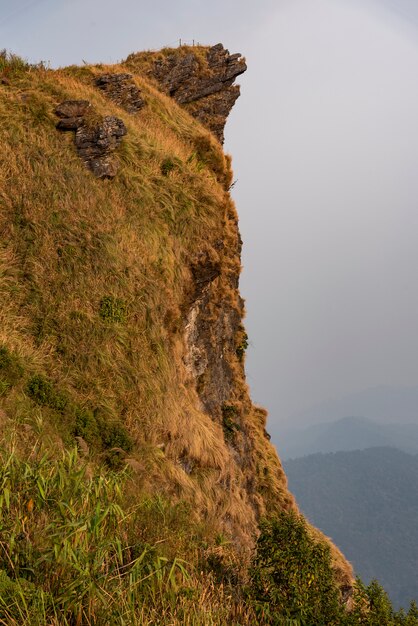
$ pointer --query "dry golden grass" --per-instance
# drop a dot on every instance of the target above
(69, 240)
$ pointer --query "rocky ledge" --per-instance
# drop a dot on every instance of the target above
(200, 79)
(121, 89)
(95, 137)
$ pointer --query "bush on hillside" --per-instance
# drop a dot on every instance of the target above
(291, 575)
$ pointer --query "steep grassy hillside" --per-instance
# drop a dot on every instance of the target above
(121, 320)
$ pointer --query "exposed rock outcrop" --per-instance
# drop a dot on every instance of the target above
(95, 138)
(212, 324)
(200, 79)
(121, 89)
(72, 113)
(210, 341)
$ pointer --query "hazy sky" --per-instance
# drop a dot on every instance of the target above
(325, 149)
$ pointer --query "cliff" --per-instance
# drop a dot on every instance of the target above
(121, 316)
(200, 79)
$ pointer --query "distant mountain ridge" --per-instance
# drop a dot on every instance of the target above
(348, 433)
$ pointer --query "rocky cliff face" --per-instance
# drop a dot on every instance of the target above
(200, 79)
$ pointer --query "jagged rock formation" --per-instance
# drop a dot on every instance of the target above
(200, 79)
(121, 89)
(95, 138)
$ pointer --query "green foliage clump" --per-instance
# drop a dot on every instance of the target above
(230, 424)
(112, 309)
(21, 601)
(100, 431)
(114, 435)
(291, 576)
(43, 392)
(10, 370)
(242, 346)
(169, 164)
(292, 582)
(11, 65)
(372, 607)
(66, 557)
(379, 608)
(86, 426)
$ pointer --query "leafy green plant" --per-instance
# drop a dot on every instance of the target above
(291, 575)
(230, 424)
(242, 346)
(43, 392)
(372, 607)
(101, 431)
(64, 548)
(112, 309)
(169, 164)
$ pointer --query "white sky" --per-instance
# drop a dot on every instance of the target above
(324, 142)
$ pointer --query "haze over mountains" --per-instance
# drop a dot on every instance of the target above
(379, 416)
(348, 433)
(384, 403)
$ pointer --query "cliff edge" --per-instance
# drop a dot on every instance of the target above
(199, 78)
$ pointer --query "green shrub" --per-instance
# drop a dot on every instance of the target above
(169, 164)
(112, 309)
(115, 435)
(86, 426)
(242, 346)
(372, 607)
(230, 424)
(43, 392)
(291, 575)
(102, 432)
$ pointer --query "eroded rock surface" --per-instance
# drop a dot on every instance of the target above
(121, 89)
(210, 341)
(72, 113)
(201, 81)
(96, 138)
(214, 313)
